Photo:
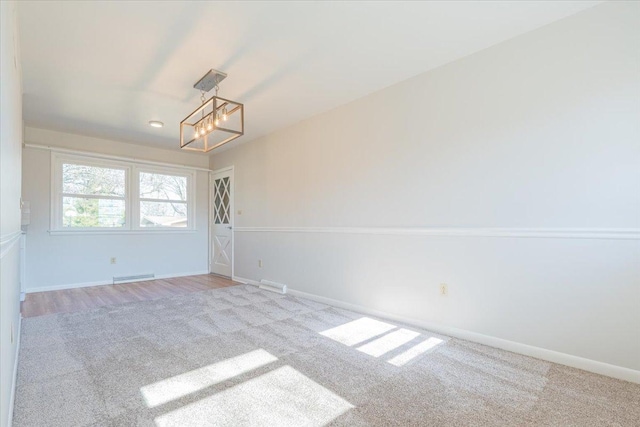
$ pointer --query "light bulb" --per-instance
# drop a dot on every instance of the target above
(209, 126)
(197, 134)
(224, 114)
(217, 122)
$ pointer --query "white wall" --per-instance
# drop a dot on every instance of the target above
(10, 165)
(540, 132)
(55, 261)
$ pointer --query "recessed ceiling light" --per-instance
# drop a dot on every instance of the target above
(156, 124)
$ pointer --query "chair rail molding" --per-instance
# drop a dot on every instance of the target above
(546, 233)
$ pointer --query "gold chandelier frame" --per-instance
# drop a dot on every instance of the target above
(214, 123)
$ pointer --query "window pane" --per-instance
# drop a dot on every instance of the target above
(163, 214)
(82, 212)
(92, 180)
(163, 187)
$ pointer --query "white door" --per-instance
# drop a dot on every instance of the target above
(222, 222)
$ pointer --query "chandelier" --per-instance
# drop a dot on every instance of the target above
(216, 122)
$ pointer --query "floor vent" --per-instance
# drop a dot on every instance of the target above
(268, 285)
(138, 278)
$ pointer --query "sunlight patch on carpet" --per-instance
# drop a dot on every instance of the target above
(415, 351)
(282, 397)
(388, 342)
(357, 331)
(182, 385)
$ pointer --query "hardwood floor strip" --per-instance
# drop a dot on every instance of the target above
(81, 299)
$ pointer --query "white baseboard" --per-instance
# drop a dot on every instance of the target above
(244, 280)
(14, 381)
(109, 282)
(589, 365)
(68, 286)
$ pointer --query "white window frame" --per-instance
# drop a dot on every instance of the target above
(132, 195)
(58, 194)
(164, 171)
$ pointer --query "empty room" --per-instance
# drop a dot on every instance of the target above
(319, 213)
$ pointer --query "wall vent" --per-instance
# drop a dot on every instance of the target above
(268, 285)
(138, 278)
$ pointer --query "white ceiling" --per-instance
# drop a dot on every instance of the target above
(106, 68)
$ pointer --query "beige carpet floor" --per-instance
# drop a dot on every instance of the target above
(239, 356)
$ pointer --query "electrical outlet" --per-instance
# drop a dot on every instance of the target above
(239, 211)
(113, 260)
(444, 289)
(260, 263)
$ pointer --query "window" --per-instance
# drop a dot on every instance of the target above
(100, 195)
(163, 200)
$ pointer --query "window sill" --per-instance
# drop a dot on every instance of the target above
(117, 232)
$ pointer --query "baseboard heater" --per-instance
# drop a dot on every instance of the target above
(129, 279)
(268, 285)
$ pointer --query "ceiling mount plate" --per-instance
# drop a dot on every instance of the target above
(210, 80)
